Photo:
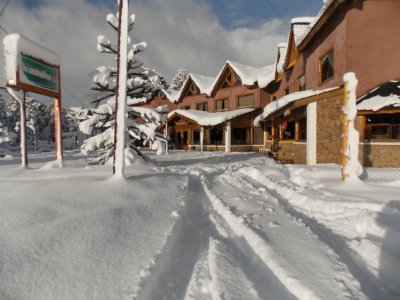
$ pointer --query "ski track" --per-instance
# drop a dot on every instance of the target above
(240, 239)
(207, 260)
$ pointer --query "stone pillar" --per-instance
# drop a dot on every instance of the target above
(228, 137)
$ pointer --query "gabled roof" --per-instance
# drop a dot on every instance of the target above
(248, 75)
(203, 83)
(386, 95)
(204, 118)
(298, 29)
(327, 10)
(280, 60)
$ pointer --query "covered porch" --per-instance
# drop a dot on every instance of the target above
(219, 131)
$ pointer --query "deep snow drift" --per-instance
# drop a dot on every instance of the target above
(197, 226)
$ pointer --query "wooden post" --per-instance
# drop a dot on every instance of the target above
(23, 144)
(265, 135)
(228, 137)
(201, 138)
(344, 134)
(297, 130)
(251, 132)
(166, 136)
(58, 129)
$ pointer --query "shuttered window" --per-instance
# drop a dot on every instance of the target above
(246, 101)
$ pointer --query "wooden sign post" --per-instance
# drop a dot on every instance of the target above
(32, 68)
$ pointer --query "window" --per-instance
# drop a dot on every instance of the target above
(221, 104)
(301, 82)
(303, 129)
(185, 107)
(239, 136)
(246, 101)
(202, 106)
(196, 137)
(273, 98)
(288, 130)
(216, 136)
(326, 70)
(382, 127)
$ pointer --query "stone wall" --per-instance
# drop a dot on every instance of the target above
(380, 155)
(329, 130)
(288, 152)
(234, 148)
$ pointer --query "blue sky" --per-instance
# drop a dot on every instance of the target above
(199, 35)
(249, 13)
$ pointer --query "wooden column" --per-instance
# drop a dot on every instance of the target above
(228, 132)
(345, 125)
(265, 135)
(297, 130)
(23, 144)
(58, 128)
(201, 138)
(362, 122)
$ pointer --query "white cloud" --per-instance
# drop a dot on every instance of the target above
(178, 33)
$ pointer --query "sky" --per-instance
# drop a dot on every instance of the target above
(199, 35)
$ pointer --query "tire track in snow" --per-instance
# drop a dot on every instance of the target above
(206, 260)
(270, 254)
(369, 283)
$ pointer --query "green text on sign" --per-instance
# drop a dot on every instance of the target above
(39, 73)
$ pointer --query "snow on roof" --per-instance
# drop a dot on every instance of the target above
(204, 118)
(251, 75)
(282, 49)
(300, 28)
(14, 44)
(204, 83)
(285, 100)
(377, 102)
(326, 5)
(385, 95)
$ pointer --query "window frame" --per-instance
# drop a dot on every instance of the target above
(320, 81)
(245, 95)
(202, 104)
(298, 83)
(222, 100)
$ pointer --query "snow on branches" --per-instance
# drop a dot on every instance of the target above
(179, 79)
(141, 83)
(141, 126)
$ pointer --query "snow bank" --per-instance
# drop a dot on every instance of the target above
(83, 237)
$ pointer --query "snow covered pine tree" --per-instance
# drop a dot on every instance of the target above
(141, 123)
(179, 79)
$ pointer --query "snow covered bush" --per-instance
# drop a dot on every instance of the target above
(141, 124)
(7, 137)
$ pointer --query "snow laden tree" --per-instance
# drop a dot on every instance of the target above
(140, 125)
(179, 79)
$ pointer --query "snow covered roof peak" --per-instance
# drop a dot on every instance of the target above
(302, 20)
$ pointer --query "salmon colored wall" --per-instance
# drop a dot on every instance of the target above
(365, 37)
(373, 45)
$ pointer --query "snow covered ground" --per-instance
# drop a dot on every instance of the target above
(197, 226)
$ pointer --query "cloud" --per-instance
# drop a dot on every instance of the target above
(178, 32)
